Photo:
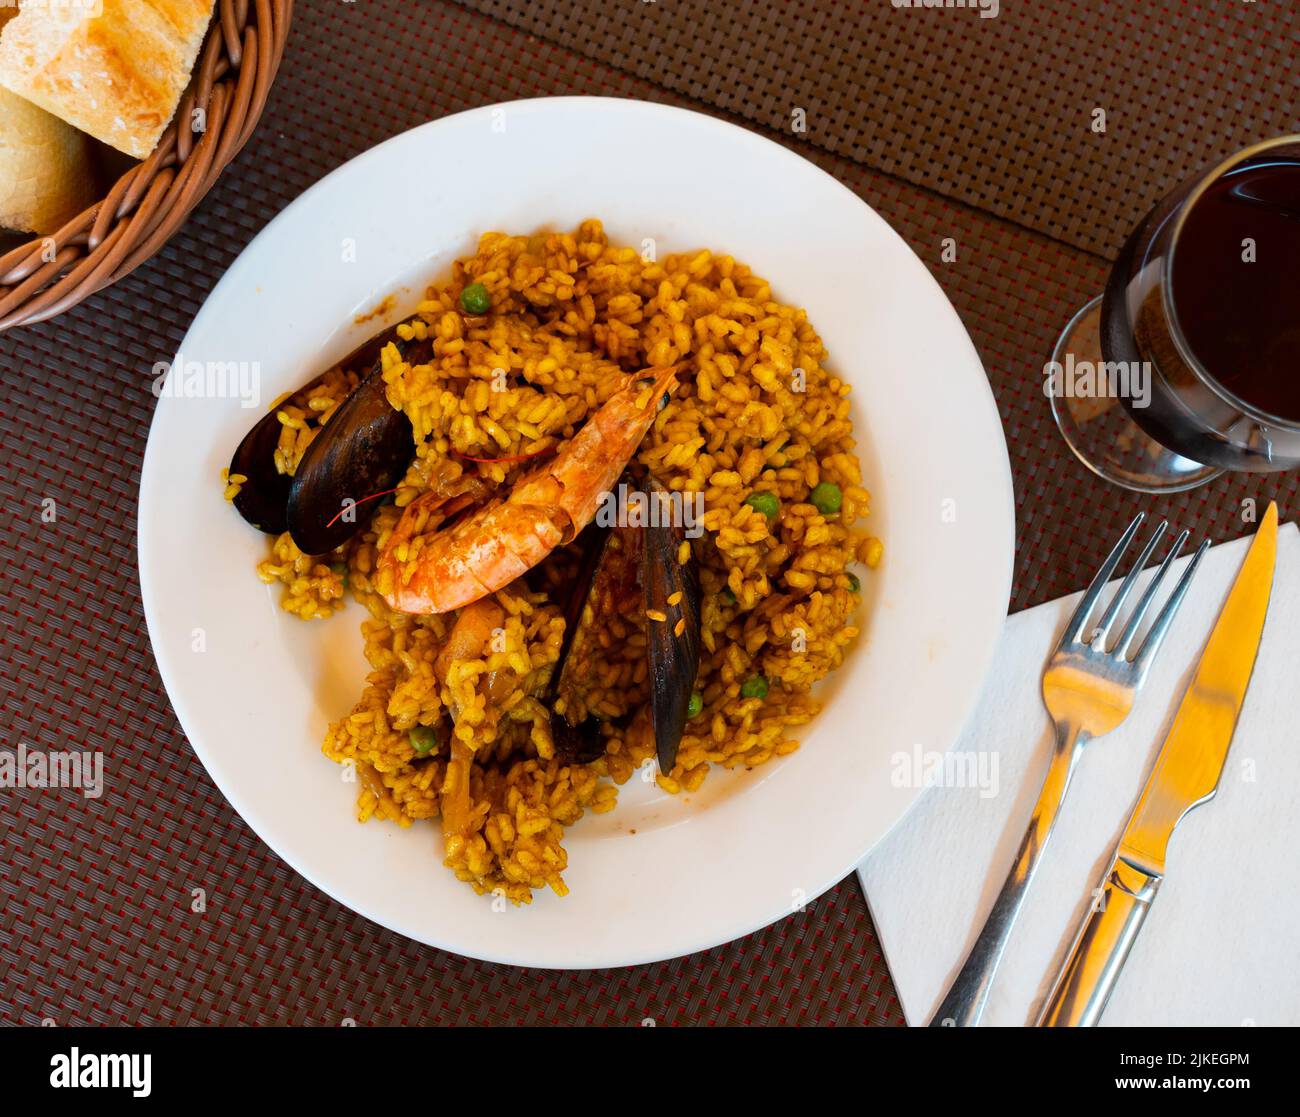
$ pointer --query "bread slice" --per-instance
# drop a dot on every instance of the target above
(116, 69)
(45, 176)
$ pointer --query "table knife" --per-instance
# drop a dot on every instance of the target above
(1186, 774)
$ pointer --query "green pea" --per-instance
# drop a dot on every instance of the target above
(765, 503)
(827, 498)
(727, 595)
(341, 569)
(754, 688)
(854, 584)
(424, 739)
(695, 705)
(475, 299)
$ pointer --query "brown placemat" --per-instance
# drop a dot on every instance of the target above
(996, 111)
(97, 923)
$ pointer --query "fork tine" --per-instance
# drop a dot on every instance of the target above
(1120, 650)
(1074, 629)
(1103, 628)
(1151, 644)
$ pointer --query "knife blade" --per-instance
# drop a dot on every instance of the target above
(1186, 773)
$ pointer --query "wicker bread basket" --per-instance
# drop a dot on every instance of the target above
(151, 200)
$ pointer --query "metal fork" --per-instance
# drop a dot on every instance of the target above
(1088, 690)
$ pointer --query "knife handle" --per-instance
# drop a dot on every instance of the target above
(1092, 967)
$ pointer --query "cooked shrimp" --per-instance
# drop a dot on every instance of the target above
(454, 804)
(547, 508)
(470, 636)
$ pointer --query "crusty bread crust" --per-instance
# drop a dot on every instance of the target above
(117, 73)
(45, 177)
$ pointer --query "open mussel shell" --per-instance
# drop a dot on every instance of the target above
(674, 643)
(363, 451)
(639, 561)
(263, 498)
(602, 565)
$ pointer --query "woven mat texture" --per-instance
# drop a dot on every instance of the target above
(926, 115)
(997, 112)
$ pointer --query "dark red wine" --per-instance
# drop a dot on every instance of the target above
(1222, 339)
(1236, 283)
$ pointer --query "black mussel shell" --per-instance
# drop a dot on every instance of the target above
(263, 498)
(644, 557)
(362, 451)
(576, 744)
(674, 658)
(582, 743)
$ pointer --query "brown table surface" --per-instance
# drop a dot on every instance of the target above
(948, 124)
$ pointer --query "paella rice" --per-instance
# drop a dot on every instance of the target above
(496, 372)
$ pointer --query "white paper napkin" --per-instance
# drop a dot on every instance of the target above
(1221, 945)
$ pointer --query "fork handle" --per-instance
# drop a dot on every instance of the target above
(964, 1004)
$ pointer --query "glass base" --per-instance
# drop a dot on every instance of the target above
(1101, 434)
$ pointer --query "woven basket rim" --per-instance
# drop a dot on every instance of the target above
(149, 202)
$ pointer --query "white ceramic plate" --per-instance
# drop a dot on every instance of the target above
(660, 876)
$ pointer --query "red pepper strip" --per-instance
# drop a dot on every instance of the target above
(486, 461)
(372, 496)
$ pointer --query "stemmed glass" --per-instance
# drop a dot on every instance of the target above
(1189, 364)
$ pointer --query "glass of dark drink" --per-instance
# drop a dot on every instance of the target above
(1189, 364)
